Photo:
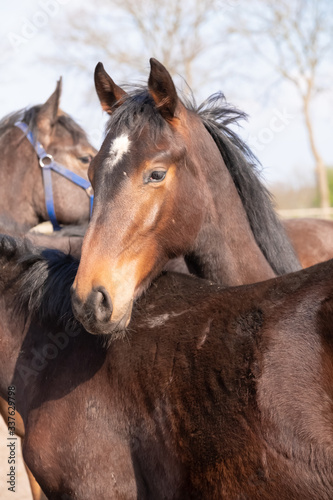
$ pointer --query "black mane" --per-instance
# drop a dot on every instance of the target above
(29, 115)
(217, 115)
(138, 111)
(39, 281)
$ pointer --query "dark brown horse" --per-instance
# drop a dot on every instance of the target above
(215, 393)
(22, 193)
(193, 191)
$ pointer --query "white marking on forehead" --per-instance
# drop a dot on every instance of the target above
(119, 147)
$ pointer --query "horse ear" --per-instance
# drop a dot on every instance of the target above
(48, 112)
(162, 89)
(109, 94)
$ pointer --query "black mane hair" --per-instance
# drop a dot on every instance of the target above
(217, 115)
(29, 115)
(138, 110)
(39, 281)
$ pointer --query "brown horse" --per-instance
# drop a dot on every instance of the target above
(193, 191)
(311, 238)
(216, 393)
(22, 194)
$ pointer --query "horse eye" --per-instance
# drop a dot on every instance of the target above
(85, 159)
(157, 176)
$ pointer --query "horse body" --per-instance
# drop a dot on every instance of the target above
(210, 395)
(311, 238)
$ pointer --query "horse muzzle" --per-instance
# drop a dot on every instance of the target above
(95, 313)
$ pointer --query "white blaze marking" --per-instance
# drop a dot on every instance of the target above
(119, 147)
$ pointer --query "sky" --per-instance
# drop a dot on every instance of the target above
(274, 130)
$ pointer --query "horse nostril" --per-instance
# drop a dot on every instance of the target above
(105, 303)
(97, 307)
(101, 304)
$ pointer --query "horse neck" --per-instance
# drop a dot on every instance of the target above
(225, 250)
(20, 179)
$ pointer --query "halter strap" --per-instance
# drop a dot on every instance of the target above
(47, 164)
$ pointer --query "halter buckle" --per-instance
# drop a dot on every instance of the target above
(42, 158)
(90, 191)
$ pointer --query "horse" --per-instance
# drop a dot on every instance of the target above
(194, 191)
(312, 239)
(212, 393)
(32, 142)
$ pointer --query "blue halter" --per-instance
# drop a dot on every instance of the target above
(49, 165)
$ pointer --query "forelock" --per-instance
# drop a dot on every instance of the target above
(136, 113)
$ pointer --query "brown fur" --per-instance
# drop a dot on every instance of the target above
(312, 239)
(215, 393)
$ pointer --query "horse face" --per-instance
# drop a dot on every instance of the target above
(140, 221)
(145, 213)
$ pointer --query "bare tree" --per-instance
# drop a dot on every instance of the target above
(294, 37)
(125, 33)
